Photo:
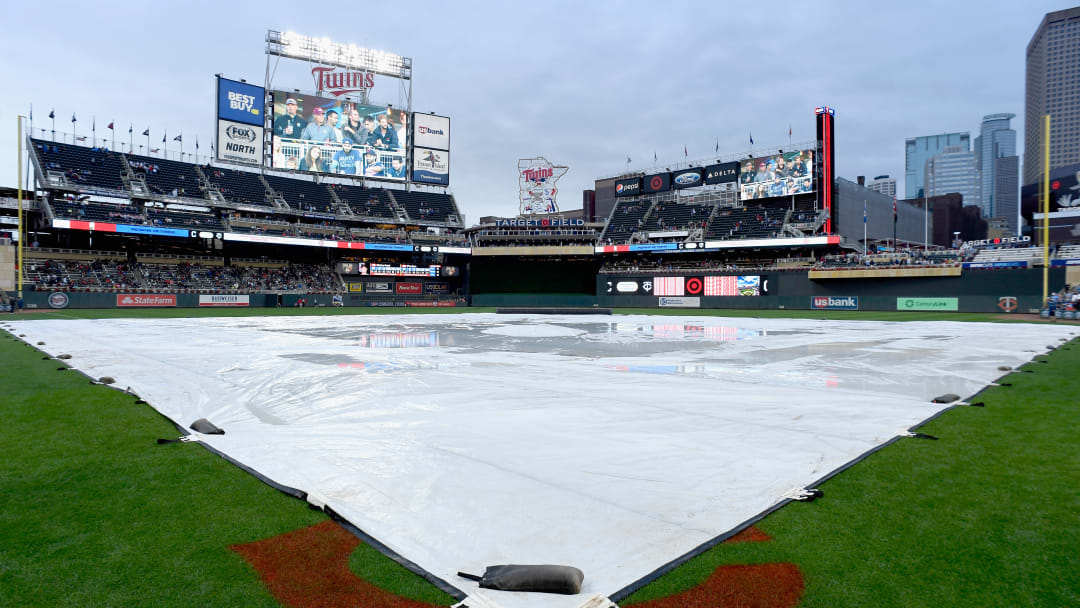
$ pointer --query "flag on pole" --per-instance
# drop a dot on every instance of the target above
(72, 118)
(155, 150)
(110, 127)
(864, 211)
(789, 130)
(31, 113)
(684, 152)
(894, 209)
(179, 138)
(52, 113)
(751, 138)
(163, 137)
(197, 144)
(718, 146)
(146, 133)
(627, 158)
(130, 127)
(654, 156)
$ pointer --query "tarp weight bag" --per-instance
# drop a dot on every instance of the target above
(541, 578)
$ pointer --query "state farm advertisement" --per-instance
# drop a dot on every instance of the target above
(224, 300)
(410, 288)
(144, 299)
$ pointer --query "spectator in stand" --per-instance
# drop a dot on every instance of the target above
(347, 159)
(397, 167)
(318, 130)
(372, 166)
(332, 122)
(355, 129)
(313, 160)
(290, 124)
(384, 137)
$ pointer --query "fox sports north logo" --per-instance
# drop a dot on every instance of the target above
(240, 133)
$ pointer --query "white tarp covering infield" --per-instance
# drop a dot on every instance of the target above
(614, 444)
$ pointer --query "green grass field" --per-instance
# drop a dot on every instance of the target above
(93, 513)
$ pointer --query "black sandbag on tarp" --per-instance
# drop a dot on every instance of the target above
(540, 578)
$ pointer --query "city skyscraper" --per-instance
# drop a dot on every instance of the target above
(918, 150)
(953, 170)
(1053, 87)
(996, 140)
(884, 184)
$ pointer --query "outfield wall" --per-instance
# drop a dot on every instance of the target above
(58, 300)
(1012, 290)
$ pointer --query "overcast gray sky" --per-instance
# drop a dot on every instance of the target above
(585, 84)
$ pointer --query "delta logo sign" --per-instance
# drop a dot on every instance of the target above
(138, 299)
(835, 302)
(338, 82)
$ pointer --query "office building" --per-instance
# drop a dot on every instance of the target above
(996, 140)
(1007, 192)
(918, 150)
(884, 184)
(953, 171)
(1053, 87)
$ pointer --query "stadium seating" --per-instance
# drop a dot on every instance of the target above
(205, 221)
(672, 216)
(426, 206)
(98, 212)
(80, 274)
(746, 223)
(626, 218)
(166, 177)
(81, 166)
(301, 194)
(1068, 252)
(1032, 255)
(238, 186)
(365, 202)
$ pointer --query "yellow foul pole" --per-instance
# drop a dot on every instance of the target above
(20, 213)
(1046, 207)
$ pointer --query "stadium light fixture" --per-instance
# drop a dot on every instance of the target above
(327, 52)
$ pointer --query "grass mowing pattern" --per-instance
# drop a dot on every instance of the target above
(93, 513)
(986, 516)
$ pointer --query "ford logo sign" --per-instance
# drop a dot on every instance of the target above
(688, 178)
(241, 133)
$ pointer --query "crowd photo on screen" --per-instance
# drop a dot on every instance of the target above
(783, 174)
(323, 135)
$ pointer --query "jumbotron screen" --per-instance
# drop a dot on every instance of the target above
(784, 174)
(324, 135)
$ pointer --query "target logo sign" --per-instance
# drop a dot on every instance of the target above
(693, 286)
(656, 182)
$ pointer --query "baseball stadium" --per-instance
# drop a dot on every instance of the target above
(283, 370)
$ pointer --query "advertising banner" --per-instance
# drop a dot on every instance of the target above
(409, 288)
(239, 143)
(356, 287)
(730, 285)
(783, 174)
(325, 135)
(379, 287)
(431, 166)
(142, 299)
(240, 102)
(437, 288)
(1010, 264)
(669, 286)
(661, 182)
(437, 304)
(223, 300)
(947, 304)
(628, 187)
(834, 302)
(430, 131)
(687, 178)
(722, 173)
(669, 302)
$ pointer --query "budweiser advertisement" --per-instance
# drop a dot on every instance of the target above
(144, 299)
(224, 300)
(338, 136)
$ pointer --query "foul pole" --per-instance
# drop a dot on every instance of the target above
(20, 213)
(1046, 207)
